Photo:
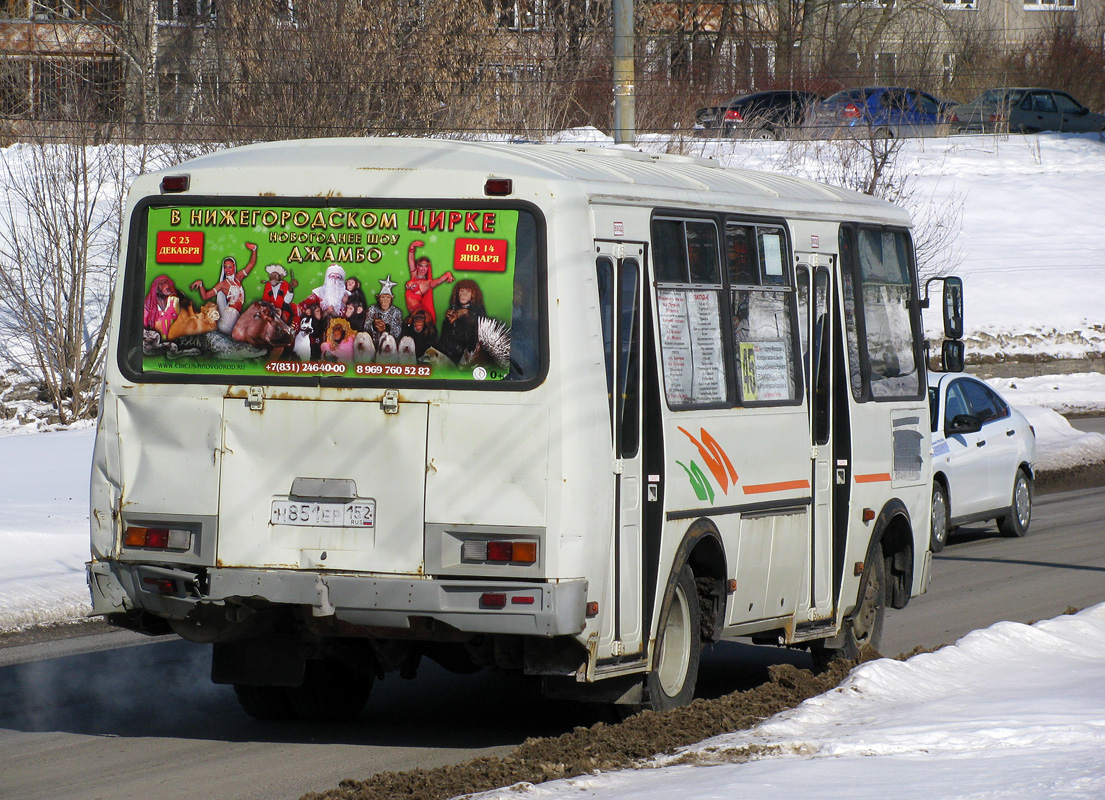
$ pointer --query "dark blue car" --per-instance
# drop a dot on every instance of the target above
(880, 111)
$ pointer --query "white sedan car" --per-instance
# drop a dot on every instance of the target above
(983, 452)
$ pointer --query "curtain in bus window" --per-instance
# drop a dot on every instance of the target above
(886, 296)
(762, 338)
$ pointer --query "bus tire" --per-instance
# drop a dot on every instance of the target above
(671, 681)
(330, 692)
(1019, 516)
(264, 702)
(864, 627)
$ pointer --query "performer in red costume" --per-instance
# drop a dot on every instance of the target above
(279, 291)
(420, 288)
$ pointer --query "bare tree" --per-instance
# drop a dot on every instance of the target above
(58, 242)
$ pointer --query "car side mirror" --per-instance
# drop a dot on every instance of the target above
(964, 423)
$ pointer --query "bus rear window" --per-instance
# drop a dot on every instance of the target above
(258, 291)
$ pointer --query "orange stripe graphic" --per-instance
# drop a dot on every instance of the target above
(782, 486)
(877, 477)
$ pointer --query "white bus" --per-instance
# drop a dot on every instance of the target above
(574, 412)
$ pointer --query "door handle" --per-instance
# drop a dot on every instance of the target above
(1010, 433)
(980, 443)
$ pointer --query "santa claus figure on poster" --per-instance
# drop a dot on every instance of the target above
(331, 296)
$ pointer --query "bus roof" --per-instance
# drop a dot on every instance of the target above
(442, 168)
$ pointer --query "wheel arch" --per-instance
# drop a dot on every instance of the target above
(701, 549)
(942, 479)
(892, 540)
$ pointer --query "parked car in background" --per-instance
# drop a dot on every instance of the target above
(983, 455)
(761, 115)
(1024, 110)
(880, 111)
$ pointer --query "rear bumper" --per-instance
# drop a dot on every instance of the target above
(527, 608)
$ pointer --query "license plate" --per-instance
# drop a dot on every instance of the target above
(359, 514)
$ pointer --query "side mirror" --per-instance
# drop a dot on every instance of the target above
(964, 423)
(953, 308)
(953, 305)
(952, 355)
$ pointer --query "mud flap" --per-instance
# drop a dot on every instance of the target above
(261, 661)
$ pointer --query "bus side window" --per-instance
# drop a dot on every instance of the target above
(876, 270)
(689, 298)
(763, 309)
(604, 268)
(629, 346)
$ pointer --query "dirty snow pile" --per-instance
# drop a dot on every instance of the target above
(947, 725)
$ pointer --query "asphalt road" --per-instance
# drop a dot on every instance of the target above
(1089, 424)
(121, 717)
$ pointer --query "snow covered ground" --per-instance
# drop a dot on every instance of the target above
(1014, 711)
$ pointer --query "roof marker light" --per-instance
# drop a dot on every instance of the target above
(174, 183)
(498, 187)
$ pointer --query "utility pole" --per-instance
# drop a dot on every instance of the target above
(625, 112)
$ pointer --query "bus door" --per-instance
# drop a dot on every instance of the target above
(620, 267)
(814, 274)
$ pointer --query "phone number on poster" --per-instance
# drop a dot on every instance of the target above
(305, 367)
(394, 369)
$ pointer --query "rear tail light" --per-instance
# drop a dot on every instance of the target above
(850, 111)
(732, 115)
(500, 551)
(157, 538)
(493, 600)
(159, 585)
(953, 117)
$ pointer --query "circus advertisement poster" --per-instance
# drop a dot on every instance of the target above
(355, 292)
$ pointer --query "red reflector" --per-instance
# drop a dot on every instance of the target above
(497, 187)
(492, 600)
(868, 514)
(500, 551)
(592, 609)
(174, 183)
(522, 600)
(160, 585)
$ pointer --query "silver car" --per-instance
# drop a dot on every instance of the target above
(983, 456)
(1024, 110)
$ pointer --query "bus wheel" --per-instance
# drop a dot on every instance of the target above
(330, 692)
(1016, 520)
(939, 536)
(864, 628)
(264, 702)
(671, 682)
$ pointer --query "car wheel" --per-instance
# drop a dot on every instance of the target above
(763, 133)
(865, 626)
(678, 647)
(883, 133)
(939, 532)
(1016, 520)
